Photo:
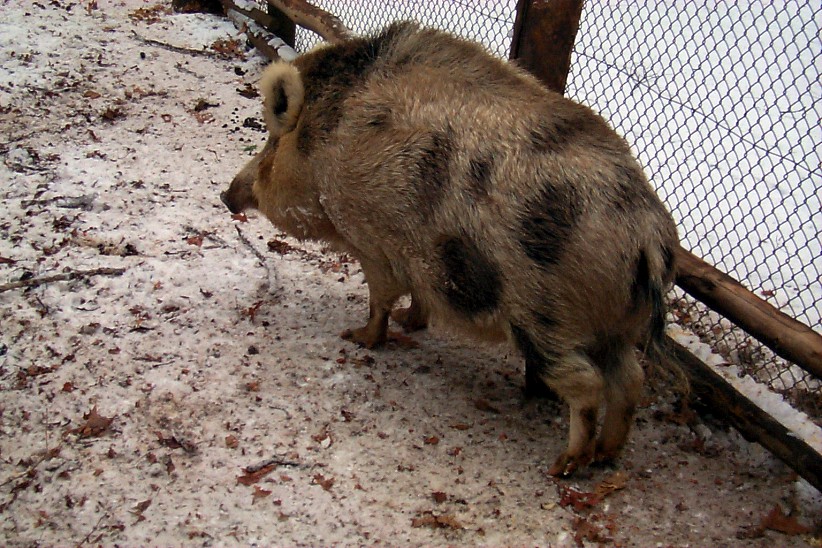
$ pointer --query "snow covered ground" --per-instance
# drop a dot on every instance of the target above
(202, 397)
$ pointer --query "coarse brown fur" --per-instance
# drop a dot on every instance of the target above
(504, 209)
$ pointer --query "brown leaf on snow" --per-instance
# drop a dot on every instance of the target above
(586, 530)
(578, 500)
(249, 92)
(259, 493)
(322, 481)
(141, 507)
(173, 442)
(195, 240)
(433, 440)
(250, 478)
(95, 425)
(428, 519)
(776, 520)
(483, 405)
(614, 482)
(6, 260)
(439, 497)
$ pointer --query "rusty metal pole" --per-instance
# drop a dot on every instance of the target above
(544, 34)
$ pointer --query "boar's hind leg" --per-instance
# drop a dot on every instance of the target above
(623, 387)
(412, 318)
(576, 380)
(383, 291)
(580, 384)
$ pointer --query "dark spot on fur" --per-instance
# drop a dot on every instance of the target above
(331, 75)
(555, 133)
(548, 223)
(641, 284)
(668, 259)
(479, 172)
(433, 161)
(545, 319)
(379, 117)
(472, 283)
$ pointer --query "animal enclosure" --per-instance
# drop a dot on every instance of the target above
(720, 103)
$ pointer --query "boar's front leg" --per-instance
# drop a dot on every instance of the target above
(383, 292)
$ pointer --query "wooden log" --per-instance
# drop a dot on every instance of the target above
(544, 34)
(784, 335)
(255, 22)
(281, 25)
(314, 19)
(751, 421)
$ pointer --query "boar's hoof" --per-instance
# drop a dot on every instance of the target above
(411, 318)
(605, 456)
(567, 464)
(365, 337)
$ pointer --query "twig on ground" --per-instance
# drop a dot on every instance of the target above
(65, 276)
(178, 49)
(251, 247)
(276, 461)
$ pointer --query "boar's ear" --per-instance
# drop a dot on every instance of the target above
(283, 90)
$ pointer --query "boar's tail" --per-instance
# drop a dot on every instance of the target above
(656, 346)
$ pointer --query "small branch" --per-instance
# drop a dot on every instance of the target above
(94, 529)
(274, 461)
(77, 274)
(250, 246)
(178, 49)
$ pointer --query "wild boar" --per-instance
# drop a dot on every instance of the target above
(504, 209)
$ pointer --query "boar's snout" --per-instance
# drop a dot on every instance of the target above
(226, 199)
(240, 195)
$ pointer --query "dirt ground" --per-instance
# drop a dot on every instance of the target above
(197, 393)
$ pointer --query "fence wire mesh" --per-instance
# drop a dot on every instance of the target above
(721, 102)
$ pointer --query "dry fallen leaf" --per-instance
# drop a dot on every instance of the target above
(259, 493)
(776, 520)
(614, 482)
(483, 405)
(578, 500)
(586, 530)
(428, 519)
(322, 481)
(250, 478)
(95, 424)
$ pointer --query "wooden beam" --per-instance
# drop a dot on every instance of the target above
(281, 25)
(751, 421)
(255, 23)
(314, 19)
(544, 34)
(784, 335)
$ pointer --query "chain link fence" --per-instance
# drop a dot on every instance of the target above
(721, 102)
